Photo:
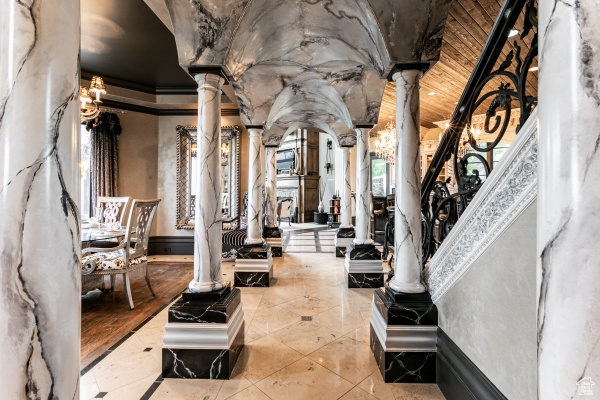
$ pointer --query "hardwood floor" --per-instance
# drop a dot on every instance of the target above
(106, 317)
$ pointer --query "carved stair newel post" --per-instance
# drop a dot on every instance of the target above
(204, 334)
(404, 319)
(40, 278)
(568, 201)
(364, 268)
(272, 234)
(345, 233)
(254, 262)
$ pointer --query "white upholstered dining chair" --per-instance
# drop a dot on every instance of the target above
(129, 255)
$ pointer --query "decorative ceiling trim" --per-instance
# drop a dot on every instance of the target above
(225, 112)
(138, 87)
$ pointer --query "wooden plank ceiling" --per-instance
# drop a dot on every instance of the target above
(467, 29)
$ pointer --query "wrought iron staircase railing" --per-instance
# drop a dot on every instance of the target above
(440, 207)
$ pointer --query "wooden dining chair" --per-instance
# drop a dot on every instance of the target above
(129, 255)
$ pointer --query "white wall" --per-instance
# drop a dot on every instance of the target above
(330, 177)
(490, 313)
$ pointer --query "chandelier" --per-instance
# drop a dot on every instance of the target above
(385, 146)
(90, 107)
(465, 138)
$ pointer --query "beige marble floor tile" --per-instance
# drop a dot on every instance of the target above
(415, 391)
(277, 295)
(357, 394)
(113, 374)
(159, 320)
(374, 385)
(362, 334)
(187, 389)
(250, 290)
(263, 357)
(272, 319)
(348, 358)
(306, 337)
(230, 387)
(304, 379)
(88, 388)
(252, 334)
(133, 345)
(309, 305)
(134, 390)
(339, 319)
(252, 393)
(251, 300)
(152, 337)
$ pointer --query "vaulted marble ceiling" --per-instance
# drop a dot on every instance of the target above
(308, 63)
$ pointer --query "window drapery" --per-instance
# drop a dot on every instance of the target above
(104, 155)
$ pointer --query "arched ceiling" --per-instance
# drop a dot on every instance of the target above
(308, 63)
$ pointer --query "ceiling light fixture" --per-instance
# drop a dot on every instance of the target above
(533, 69)
(90, 107)
(431, 93)
(513, 32)
(385, 146)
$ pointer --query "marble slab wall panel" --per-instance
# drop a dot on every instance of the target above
(490, 311)
(40, 278)
(569, 199)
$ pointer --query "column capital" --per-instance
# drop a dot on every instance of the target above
(422, 67)
(208, 70)
(261, 127)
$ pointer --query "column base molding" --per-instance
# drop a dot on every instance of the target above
(254, 266)
(204, 335)
(364, 268)
(343, 238)
(404, 336)
(274, 238)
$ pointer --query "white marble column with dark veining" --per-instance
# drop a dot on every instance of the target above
(568, 200)
(40, 272)
(208, 229)
(255, 183)
(271, 188)
(363, 194)
(407, 214)
(346, 199)
(261, 218)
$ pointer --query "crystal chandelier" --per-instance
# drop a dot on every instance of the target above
(465, 138)
(385, 146)
(90, 107)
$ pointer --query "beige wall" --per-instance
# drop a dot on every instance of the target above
(490, 313)
(138, 157)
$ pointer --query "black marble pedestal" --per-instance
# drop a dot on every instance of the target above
(404, 336)
(274, 238)
(343, 239)
(254, 266)
(364, 268)
(204, 335)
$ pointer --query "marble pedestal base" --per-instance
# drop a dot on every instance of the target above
(254, 266)
(364, 268)
(404, 336)
(343, 238)
(204, 335)
(274, 238)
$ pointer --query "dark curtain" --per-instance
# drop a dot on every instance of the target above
(104, 155)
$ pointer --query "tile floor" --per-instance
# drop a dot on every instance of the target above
(325, 355)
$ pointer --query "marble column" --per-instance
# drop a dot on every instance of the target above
(568, 202)
(345, 233)
(254, 261)
(364, 268)
(255, 178)
(404, 319)
(208, 228)
(204, 334)
(363, 193)
(40, 278)
(407, 213)
(271, 233)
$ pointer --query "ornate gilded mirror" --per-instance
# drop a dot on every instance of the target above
(187, 186)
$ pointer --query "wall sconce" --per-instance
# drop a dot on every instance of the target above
(90, 107)
(328, 164)
(194, 149)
